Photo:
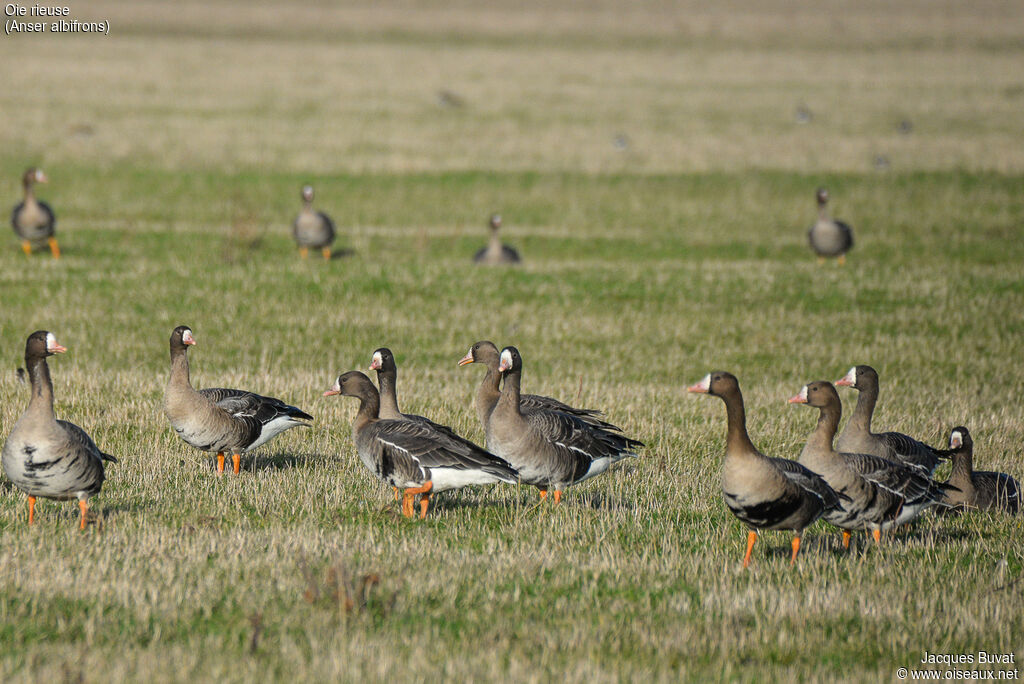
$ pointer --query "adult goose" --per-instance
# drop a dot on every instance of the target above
(486, 353)
(882, 493)
(551, 449)
(977, 489)
(496, 253)
(33, 219)
(44, 456)
(857, 436)
(828, 237)
(383, 361)
(312, 229)
(413, 455)
(764, 493)
(221, 420)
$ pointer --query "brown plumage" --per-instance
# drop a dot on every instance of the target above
(312, 229)
(221, 420)
(32, 219)
(764, 493)
(978, 489)
(496, 253)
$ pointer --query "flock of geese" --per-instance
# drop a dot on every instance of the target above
(36, 226)
(860, 481)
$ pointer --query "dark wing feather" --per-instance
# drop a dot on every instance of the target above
(240, 404)
(909, 483)
(847, 232)
(809, 481)
(52, 220)
(329, 224)
(418, 443)
(579, 441)
(81, 438)
(14, 216)
(911, 451)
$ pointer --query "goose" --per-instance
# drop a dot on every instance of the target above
(882, 493)
(312, 228)
(551, 449)
(486, 353)
(495, 253)
(414, 455)
(44, 456)
(828, 237)
(33, 219)
(221, 420)
(982, 490)
(857, 436)
(764, 493)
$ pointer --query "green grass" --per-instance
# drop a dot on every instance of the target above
(643, 271)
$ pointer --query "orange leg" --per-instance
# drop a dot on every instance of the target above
(26, 247)
(543, 494)
(558, 496)
(877, 534)
(841, 260)
(796, 549)
(303, 252)
(424, 504)
(236, 462)
(397, 495)
(751, 538)
(84, 508)
(408, 505)
(846, 539)
(327, 253)
(31, 509)
(54, 249)
(220, 462)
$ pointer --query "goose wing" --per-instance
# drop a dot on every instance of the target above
(243, 404)
(419, 444)
(579, 443)
(809, 481)
(80, 441)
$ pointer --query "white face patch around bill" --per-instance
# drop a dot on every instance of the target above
(704, 385)
(956, 439)
(51, 341)
(803, 394)
(506, 360)
(377, 361)
(187, 338)
(851, 376)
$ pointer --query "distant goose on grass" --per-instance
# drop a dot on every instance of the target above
(221, 420)
(882, 493)
(978, 489)
(764, 493)
(486, 353)
(857, 436)
(312, 229)
(33, 219)
(551, 449)
(414, 455)
(44, 456)
(828, 237)
(496, 253)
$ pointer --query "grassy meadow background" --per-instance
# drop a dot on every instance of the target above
(650, 167)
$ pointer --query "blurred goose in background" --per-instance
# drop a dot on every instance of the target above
(551, 449)
(882, 493)
(486, 353)
(764, 493)
(44, 456)
(33, 219)
(857, 437)
(981, 490)
(495, 253)
(221, 420)
(829, 238)
(312, 229)
(414, 455)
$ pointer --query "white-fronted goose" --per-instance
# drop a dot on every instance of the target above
(978, 489)
(764, 493)
(486, 353)
(857, 437)
(829, 238)
(882, 493)
(413, 455)
(44, 456)
(383, 361)
(221, 420)
(312, 229)
(495, 253)
(551, 449)
(33, 219)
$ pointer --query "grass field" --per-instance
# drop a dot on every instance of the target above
(650, 168)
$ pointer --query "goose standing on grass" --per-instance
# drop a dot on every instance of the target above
(495, 253)
(33, 219)
(551, 449)
(44, 456)
(981, 490)
(486, 353)
(414, 455)
(312, 229)
(764, 493)
(857, 437)
(828, 237)
(881, 493)
(221, 420)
